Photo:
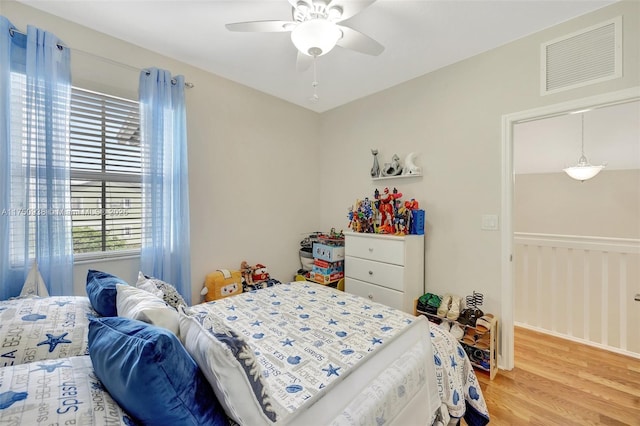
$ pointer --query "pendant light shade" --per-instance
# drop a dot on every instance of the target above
(583, 170)
(316, 37)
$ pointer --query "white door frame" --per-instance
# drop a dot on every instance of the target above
(508, 122)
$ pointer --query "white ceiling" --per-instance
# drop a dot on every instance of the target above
(419, 36)
(611, 136)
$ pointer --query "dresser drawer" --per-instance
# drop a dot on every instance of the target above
(374, 293)
(380, 249)
(384, 274)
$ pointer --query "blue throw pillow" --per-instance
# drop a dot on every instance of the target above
(101, 289)
(150, 374)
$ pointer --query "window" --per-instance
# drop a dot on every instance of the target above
(105, 170)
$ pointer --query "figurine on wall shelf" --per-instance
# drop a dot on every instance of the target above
(393, 168)
(410, 167)
(375, 169)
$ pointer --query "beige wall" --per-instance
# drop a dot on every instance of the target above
(251, 167)
(452, 119)
(605, 206)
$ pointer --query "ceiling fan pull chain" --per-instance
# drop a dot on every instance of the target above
(315, 98)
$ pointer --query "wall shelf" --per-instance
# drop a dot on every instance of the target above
(396, 177)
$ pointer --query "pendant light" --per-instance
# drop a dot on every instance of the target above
(583, 170)
(316, 37)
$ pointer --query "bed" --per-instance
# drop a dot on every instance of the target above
(293, 354)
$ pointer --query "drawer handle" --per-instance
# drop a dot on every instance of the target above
(370, 249)
(370, 296)
(370, 272)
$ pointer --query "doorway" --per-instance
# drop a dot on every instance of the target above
(508, 180)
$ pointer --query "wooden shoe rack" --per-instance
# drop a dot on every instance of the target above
(489, 355)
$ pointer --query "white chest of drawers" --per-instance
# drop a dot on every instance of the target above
(385, 268)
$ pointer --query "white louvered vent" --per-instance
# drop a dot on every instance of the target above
(585, 57)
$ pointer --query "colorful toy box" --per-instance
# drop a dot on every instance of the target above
(222, 283)
(327, 268)
(324, 264)
(328, 253)
(326, 279)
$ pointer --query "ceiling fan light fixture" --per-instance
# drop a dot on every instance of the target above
(334, 13)
(315, 37)
(302, 7)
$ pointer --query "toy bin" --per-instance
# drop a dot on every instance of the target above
(326, 271)
(326, 279)
(327, 268)
(328, 253)
(417, 222)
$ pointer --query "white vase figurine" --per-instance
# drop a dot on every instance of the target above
(375, 169)
(410, 167)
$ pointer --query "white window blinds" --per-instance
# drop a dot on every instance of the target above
(105, 172)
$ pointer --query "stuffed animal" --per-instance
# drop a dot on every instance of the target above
(260, 273)
(222, 283)
(247, 272)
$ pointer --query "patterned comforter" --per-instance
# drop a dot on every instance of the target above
(35, 329)
(457, 382)
(64, 391)
(308, 337)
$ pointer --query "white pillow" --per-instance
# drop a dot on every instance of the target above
(138, 304)
(230, 366)
(147, 285)
(168, 292)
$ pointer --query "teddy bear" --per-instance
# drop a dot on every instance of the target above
(247, 272)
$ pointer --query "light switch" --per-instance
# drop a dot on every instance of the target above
(489, 222)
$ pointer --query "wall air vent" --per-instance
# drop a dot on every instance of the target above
(585, 57)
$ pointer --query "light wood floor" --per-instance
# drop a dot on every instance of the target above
(560, 382)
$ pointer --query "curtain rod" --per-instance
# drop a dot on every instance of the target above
(101, 58)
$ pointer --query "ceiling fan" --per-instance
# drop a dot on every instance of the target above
(315, 30)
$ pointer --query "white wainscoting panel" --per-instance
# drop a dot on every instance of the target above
(579, 287)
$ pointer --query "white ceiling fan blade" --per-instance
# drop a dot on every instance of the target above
(350, 7)
(355, 40)
(303, 62)
(262, 26)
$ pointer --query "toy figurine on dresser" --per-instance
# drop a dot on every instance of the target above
(386, 204)
(387, 213)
